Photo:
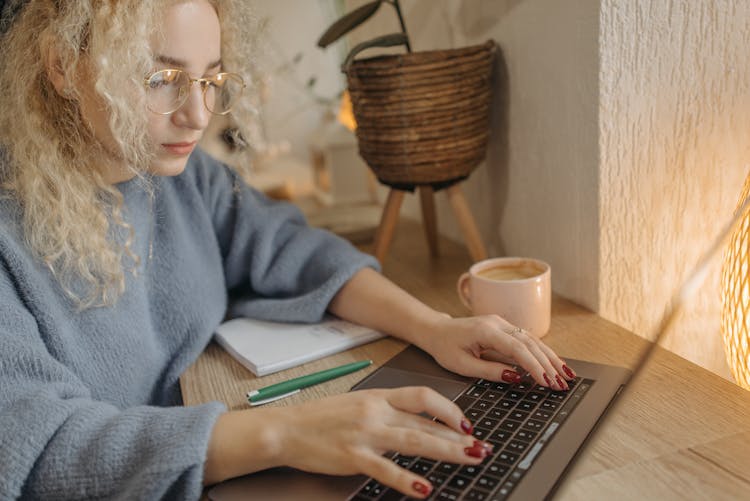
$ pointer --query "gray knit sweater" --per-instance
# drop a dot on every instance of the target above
(89, 400)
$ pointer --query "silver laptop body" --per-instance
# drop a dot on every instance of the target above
(413, 367)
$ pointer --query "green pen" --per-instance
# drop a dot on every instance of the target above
(286, 388)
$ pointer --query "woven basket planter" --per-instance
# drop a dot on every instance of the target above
(423, 117)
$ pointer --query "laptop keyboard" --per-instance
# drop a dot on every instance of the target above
(518, 419)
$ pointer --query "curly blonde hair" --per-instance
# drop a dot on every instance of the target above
(53, 166)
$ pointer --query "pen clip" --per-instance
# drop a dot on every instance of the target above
(271, 399)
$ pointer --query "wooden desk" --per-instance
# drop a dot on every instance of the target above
(682, 433)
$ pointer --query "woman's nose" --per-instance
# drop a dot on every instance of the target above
(193, 113)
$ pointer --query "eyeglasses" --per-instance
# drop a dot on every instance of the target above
(167, 91)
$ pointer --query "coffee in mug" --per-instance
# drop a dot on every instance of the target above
(518, 289)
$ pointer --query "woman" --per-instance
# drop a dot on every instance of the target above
(123, 247)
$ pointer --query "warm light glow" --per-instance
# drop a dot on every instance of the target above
(735, 298)
(346, 114)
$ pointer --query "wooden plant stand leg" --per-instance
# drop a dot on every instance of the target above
(384, 234)
(427, 199)
(466, 222)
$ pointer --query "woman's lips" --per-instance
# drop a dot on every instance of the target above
(179, 149)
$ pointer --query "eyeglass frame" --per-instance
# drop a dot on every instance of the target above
(204, 84)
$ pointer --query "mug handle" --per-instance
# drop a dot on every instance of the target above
(462, 287)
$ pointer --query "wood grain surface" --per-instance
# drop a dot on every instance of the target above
(681, 432)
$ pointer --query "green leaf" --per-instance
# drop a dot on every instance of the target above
(381, 41)
(348, 23)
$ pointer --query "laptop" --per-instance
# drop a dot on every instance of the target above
(536, 432)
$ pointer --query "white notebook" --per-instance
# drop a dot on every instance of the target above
(268, 347)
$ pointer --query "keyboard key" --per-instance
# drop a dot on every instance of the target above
(372, 489)
(503, 493)
(549, 405)
(500, 386)
(483, 383)
(509, 425)
(437, 478)
(518, 415)
(506, 404)
(516, 446)
(496, 413)
(534, 397)
(497, 469)
(527, 435)
(448, 495)
(506, 457)
(500, 435)
(471, 470)
(476, 495)
(403, 461)
(558, 396)
(486, 482)
(447, 468)
(487, 422)
(459, 482)
(474, 414)
(421, 467)
(524, 386)
(534, 425)
(526, 405)
(481, 433)
(482, 405)
(542, 414)
(475, 391)
(514, 394)
(492, 395)
(464, 402)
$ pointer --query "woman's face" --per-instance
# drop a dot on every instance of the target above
(191, 42)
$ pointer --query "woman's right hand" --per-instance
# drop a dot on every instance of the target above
(348, 434)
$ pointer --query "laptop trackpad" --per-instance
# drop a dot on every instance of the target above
(388, 377)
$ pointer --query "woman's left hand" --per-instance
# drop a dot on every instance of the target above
(488, 347)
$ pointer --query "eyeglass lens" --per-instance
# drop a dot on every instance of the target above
(167, 90)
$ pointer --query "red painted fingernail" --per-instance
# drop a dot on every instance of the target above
(466, 426)
(421, 488)
(510, 376)
(547, 380)
(561, 384)
(569, 371)
(478, 450)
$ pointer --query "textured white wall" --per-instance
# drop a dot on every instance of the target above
(675, 145)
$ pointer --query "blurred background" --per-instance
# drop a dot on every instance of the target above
(619, 140)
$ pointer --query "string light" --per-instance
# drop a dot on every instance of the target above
(735, 298)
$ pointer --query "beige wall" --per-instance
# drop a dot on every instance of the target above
(536, 194)
(674, 138)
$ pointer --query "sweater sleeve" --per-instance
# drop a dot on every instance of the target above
(276, 266)
(59, 443)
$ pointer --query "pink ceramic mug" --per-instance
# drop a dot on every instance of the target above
(516, 288)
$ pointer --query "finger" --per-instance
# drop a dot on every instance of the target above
(418, 399)
(414, 442)
(516, 348)
(559, 364)
(390, 474)
(550, 376)
(493, 370)
(433, 427)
